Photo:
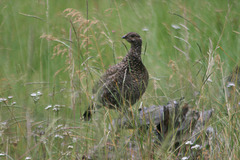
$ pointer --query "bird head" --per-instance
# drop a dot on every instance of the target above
(133, 38)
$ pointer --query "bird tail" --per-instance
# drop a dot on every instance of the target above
(87, 115)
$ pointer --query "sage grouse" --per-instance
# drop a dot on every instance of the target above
(124, 83)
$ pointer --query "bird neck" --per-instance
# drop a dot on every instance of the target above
(136, 49)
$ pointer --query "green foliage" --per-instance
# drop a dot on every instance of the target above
(60, 48)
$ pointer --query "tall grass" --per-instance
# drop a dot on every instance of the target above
(61, 48)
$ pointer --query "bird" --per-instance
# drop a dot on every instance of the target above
(123, 84)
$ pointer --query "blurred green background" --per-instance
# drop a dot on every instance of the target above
(190, 47)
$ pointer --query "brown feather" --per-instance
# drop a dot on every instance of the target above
(123, 84)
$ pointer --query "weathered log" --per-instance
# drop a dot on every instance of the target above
(172, 120)
(203, 119)
(149, 115)
(185, 121)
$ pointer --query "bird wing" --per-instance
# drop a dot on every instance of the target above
(109, 74)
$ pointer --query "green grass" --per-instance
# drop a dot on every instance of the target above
(64, 69)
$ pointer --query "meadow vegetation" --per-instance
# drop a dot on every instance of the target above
(52, 52)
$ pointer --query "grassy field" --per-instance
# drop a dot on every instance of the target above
(52, 52)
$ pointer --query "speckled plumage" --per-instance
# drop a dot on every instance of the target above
(124, 83)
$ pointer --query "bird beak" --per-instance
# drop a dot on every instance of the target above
(124, 37)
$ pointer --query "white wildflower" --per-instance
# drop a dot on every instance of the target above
(70, 147)
(184, 158)
(59, 126)
(3, 99)
(175, 26)
(56, 105)
(196, 147)
(56, 109)
(10, 97)
(189, 142)
(145, 29)
(209, 80)
(33, 94)
(2, 154)
(58, 136)
(49, 106)
(230, 84)
(27, 158)
(39, 93)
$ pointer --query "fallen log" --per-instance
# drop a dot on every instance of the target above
(175, 120)
(172, 120)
